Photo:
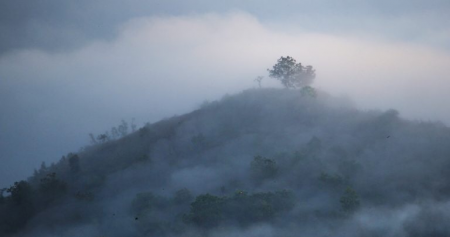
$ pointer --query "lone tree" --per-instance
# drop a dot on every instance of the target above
(292, 74)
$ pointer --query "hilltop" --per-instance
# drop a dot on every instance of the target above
(264, 162)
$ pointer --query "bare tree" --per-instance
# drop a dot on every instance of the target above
(259, 79)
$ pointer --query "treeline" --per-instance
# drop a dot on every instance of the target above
(116, 132)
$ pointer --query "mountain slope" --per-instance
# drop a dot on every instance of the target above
(264, 162)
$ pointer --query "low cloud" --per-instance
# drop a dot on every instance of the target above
(161, 66)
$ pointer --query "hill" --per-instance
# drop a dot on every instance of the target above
(265, 162)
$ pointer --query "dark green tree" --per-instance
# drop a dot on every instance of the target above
(292, 74)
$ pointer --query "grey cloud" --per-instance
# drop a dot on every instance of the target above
(61, 25)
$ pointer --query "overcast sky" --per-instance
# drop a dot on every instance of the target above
(71, 68)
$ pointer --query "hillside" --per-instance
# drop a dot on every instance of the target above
(266, 162)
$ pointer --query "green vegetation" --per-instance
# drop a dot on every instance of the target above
(200, 173)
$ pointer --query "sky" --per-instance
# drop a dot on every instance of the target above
(68, 69)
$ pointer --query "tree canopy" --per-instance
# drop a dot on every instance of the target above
(292, 74)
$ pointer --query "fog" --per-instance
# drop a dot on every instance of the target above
(161, 66)
(271, 162)
(71, 69)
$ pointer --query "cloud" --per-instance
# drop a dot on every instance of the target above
(61, 26)
(160, 66)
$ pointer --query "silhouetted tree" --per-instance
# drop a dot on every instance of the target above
(292, 74)
(103, 137)
(123, 128)
(93, 140)
(259, 79)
